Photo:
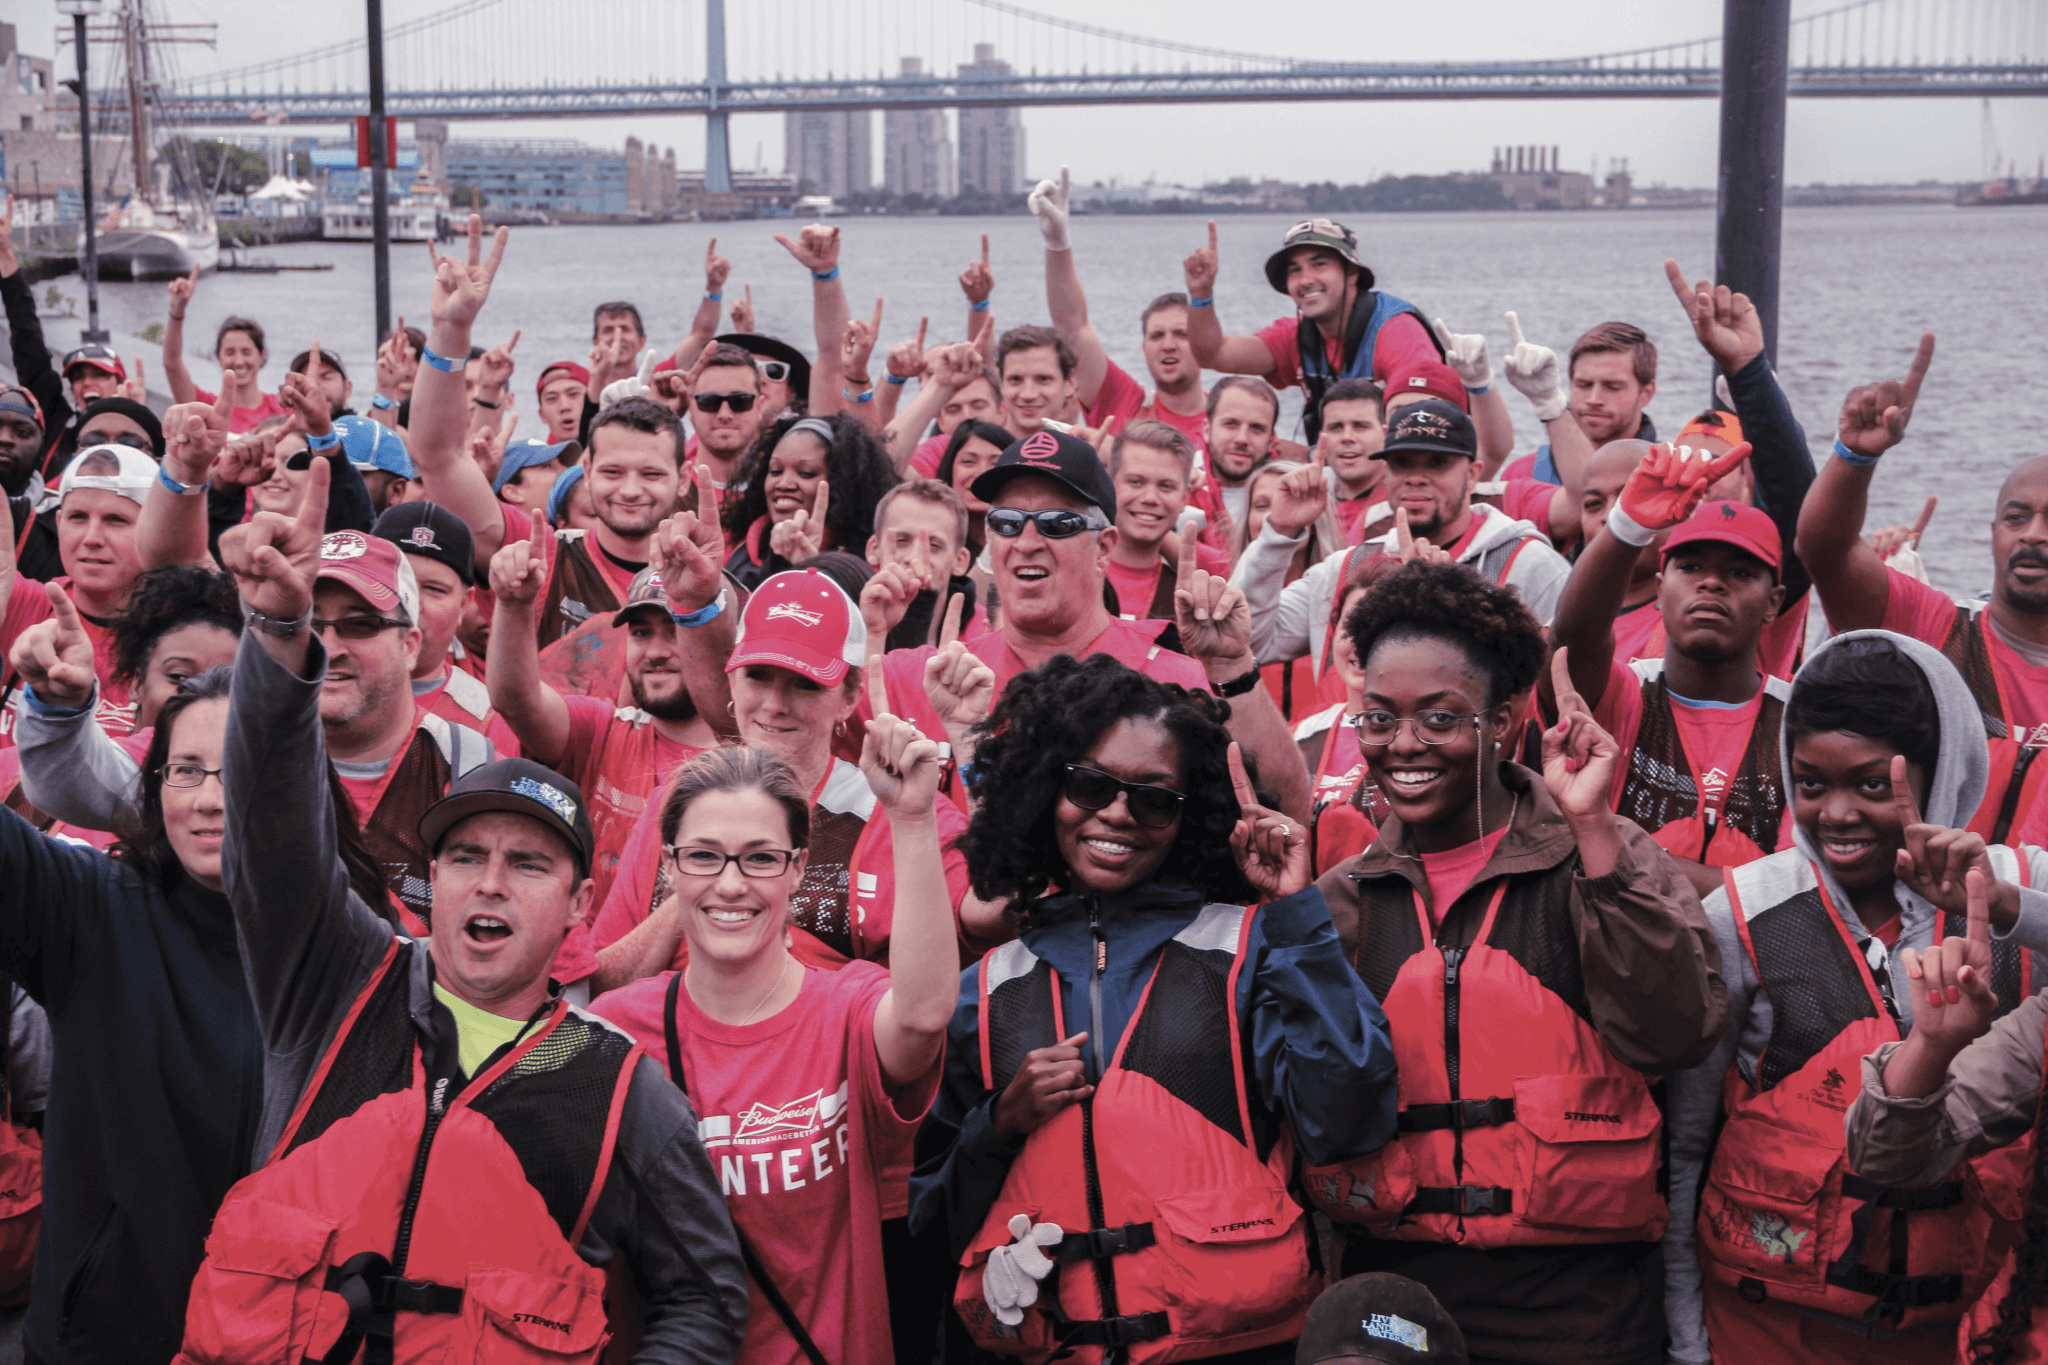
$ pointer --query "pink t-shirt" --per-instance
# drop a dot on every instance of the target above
(619, 758)
(1928, 614)
(1714, 737)
(802, 1128)
(27, 605)
(1521, 467)
(1401, 344)
(1529, 500)
(1450, 873)
(242, 419)
(1135, 587)
(932, 449)
(1122, 401)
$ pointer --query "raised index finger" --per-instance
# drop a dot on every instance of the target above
(922, 323)
(1239, 783)
(1977, 902)
(1678, 284)
(1561, 680)
(877, 325)
(67, 614)
(1212, 234)
(984, 248)
(1717, 467)
(1926, 515)
(1514, 329)
(1186, 569)
(1922, 358)
(878, 686)
(313, 505)
(1902, 794)
(949, 629)
(539, 533)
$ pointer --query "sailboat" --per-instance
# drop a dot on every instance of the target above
(166, 225)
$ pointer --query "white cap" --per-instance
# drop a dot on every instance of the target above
(131, 480)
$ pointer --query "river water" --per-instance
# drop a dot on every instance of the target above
(1859, 285)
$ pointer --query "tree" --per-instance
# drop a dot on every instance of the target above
(237, 170)
(463, 195)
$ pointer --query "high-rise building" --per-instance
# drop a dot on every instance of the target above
(917, 155)
(831, 152)
(991, 136)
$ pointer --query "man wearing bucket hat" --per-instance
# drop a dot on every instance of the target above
(1342, 328)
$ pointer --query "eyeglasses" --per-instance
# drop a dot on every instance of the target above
(187, 774)
(1093, 789)
(774, 371)
(299, 461)
(755, 862)
(1431, 727)
(357, 627)
(1054, 523)
(711, 402)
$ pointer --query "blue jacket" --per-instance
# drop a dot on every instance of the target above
(1318, 1048)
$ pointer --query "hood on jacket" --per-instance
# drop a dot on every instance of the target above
(1962, 768)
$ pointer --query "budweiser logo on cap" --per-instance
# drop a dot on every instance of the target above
(791, 612)
(347, 544)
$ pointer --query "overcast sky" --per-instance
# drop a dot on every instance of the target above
(1671, 142)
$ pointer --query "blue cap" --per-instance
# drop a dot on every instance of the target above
(527, 454)
(373, 448)
(559, 494)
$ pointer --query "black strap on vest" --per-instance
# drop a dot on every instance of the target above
(2009, 805)
(1131, 1329)
(1463, 1200)
(1457, 1116)
(769, 1289)
(1893, 1289)
(1312, 357)
(375, 1297)
(1098, 1243)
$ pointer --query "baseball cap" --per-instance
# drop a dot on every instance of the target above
(527, 454)
(646, 590)
(1062, 458)
(132, 479)
(803, 621)
(1323, 232)
(1722, 426)
(1432, 377)
(1731, 523)
(1379, 1317)
(431, 531)
(516, 786)
(373, 567)
(1432, 424)
(372, 447)
(102, 358)
(558, 496)
(568, 367)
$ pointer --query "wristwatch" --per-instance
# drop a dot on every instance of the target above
(1237, 686)
(276, 627)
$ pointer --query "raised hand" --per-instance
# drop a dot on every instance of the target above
(1270, 850)
(716, 268)
(249, 460)
(802, 537)
(1408, 548)
(1048, 204)
(1954, 1004)
(859, 344)
(8, 262)
(689, 550)
(1535, 372)
(275, 557)
(902, 766)
(1889, 540)
(816, 248)
(54, 657)
(1874, 416)
(396, 362)
(1578, 756)
(1214, 619)
(1936, 859)
(1050, 1079)
(1465, 352)
(487, 443)
(1300, 497)
(1199, 269)
(960, 687)
(179, 292)
(907, 359)
(461, 287)
(135, 388)
(1671, 483)
(194, 434)
(302, 394)
(887, 595)
(977, 281)
(1726, 323)
(519, 570)
(494, 367)
(636, 385)
(743, 314)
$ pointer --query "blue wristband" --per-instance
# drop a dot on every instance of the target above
(1855, 457)
(439, 362)
(703, 615)
(899, 380)
(183, 490)
(1483, 388)
(49, 709)
(981, 307)
(821, 276)
(1202, 303)
(382, 404)
(327, 442)
(850, 396)
(715, 298)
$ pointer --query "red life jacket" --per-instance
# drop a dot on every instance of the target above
(1659, 787)
(1782, 1217)
(1517, 1127)
(1346, 809)
(1182, 1240)
(2012, 811)
(1983, 1314)
(21, 1184)
(398, 1207)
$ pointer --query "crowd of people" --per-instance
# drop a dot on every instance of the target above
(985, 855)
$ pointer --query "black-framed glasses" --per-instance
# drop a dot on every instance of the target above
(710, 862)
(186, 774)
(774, 371)
(1054, 523)
(358, 627)
(711, 402)
(1152, 806)
(299, 461)
(1434, 726)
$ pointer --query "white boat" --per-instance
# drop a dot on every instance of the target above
(818, 206)
(144, 241)
(412, 218)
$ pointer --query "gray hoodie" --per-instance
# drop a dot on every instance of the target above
(1960, 775)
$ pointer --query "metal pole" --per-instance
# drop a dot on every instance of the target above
(90, 264)
(717, 143)
(380, 195)
(1755, 40)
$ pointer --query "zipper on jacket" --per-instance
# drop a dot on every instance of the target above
(1453, 957)
(437, 1109)
(1105, 1273)
(1095, 987)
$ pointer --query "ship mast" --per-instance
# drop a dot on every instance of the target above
(135, 46)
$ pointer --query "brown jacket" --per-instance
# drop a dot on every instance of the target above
(1650, 967)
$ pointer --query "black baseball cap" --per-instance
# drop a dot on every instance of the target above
(430, 531)
(1434, 425)
(646, 591)
(516, 786)
(1062, 458)
(1380, 1317)
(775, 348)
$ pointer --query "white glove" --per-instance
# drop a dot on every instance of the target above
(1465, 352)
(1009, 1282)
(1907, 561)
(1534, 372)
(1192, 521)
(638, 386)
(1049, 203)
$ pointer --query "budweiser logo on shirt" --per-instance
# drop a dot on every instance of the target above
(779, 1147)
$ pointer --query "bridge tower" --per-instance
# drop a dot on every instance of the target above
(717, 130)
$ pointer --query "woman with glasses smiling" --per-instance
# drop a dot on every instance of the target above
(1127, 1083)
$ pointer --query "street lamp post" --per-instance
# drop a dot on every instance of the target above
(89, 258)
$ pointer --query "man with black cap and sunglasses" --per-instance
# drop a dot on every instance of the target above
(1342, 328)
(451, 1155)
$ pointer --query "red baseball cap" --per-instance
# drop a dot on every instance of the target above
(802, 621)
(1731, 523)
(374, 567)
(568, 367)
(1432, 377)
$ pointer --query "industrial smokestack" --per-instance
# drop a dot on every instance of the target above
(1554, 152)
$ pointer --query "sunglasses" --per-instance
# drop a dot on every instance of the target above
(357, 627)
(1054, 523)
(775, 371)
(1093, 789)
(134, 440)
(711, 402)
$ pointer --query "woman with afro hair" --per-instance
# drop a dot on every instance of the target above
(811, 484)
(1127, 1082)
(1542, 963)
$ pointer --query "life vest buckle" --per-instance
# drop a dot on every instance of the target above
(1463, 1200)
(1129, 1330)
(1947, 1195)
(1100, 1243)
(1494, 1112)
